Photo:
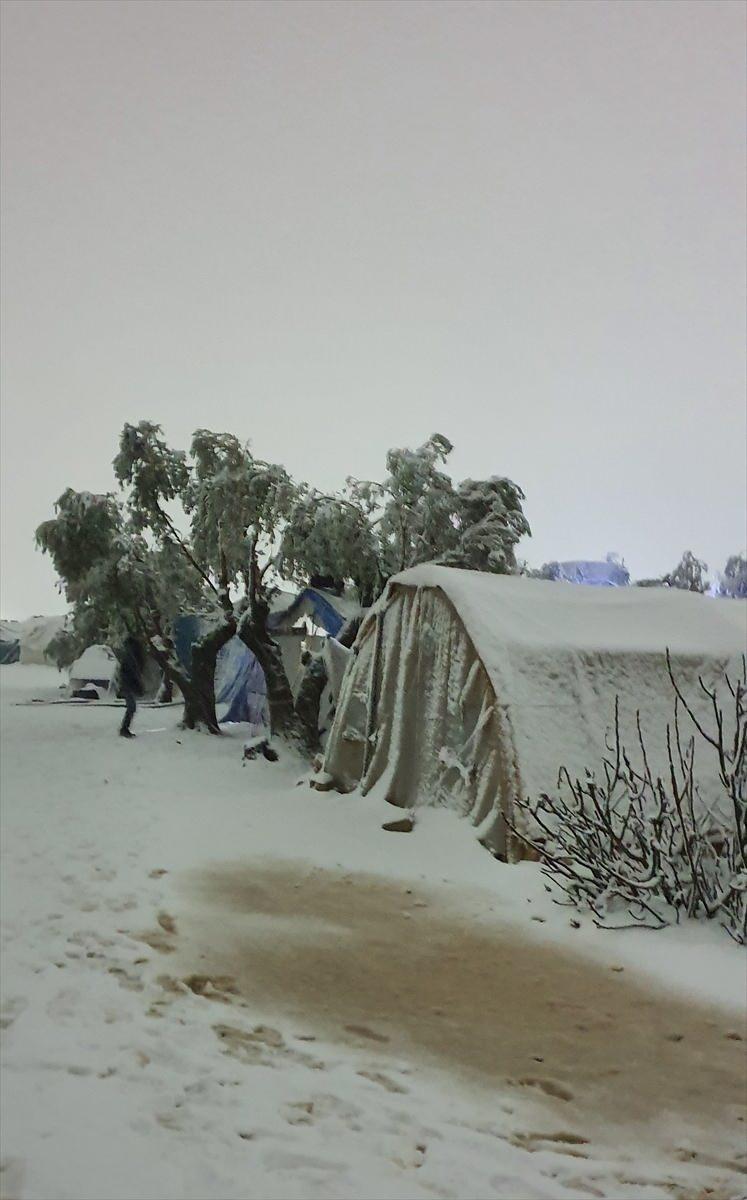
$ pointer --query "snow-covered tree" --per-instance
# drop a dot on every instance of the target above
(490, 521)
(373, 530)
(117, 583)
(419, 519)
(333, 536)
(733, 579)
(690, 574)
(82, 533)
(216, 529)
(156, 479)
(238, 506)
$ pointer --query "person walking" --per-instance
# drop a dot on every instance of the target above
(130, 681)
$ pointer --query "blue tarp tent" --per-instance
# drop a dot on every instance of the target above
(240, 683)
(609, 573)
(239, 680)
(319, 606)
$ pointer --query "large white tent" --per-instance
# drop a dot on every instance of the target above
(33, 636)
(472, 690)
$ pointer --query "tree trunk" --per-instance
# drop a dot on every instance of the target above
(201, 707)
(253, 632)
(166, 689)
(312, 687)
(309, 700)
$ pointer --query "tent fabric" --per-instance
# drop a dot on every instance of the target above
(240, 683)
(337, 658)
(330, 612)
(10, 651)
(470, 690)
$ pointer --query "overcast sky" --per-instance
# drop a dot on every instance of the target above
(336, 227)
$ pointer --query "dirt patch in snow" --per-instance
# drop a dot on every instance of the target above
(372, 962)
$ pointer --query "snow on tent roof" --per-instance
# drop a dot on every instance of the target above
(34, 635)
(96, 662)
(504, 611)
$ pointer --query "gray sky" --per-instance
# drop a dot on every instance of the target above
(336, 227)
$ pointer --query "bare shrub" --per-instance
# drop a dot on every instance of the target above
(638, 848)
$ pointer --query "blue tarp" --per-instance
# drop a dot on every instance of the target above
(325, 615)
(594, 574)
(187, 630)
(239, 679)
(240, 683)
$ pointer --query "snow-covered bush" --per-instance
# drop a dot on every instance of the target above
(733, 580)
(690, 575)
(638, 848)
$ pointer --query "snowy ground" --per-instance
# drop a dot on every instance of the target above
(218, 984)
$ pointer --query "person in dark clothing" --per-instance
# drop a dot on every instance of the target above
(130, 681)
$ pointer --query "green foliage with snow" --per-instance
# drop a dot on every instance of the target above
(416, 515)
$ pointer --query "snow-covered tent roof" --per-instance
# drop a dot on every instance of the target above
(97, 664)
(502, 612)
(10, 646)
(33, 636)
(95, 670)
(552, 660)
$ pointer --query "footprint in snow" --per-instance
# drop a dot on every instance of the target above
(167, 922)
(363, 1031)
(548, 1086)
(12, 1171)
(563, 1142)
(11, 1009)
(390, 1085)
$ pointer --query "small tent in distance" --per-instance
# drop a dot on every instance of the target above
(10, 644)
(32, 638)
(470, 691)
(93, 676)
